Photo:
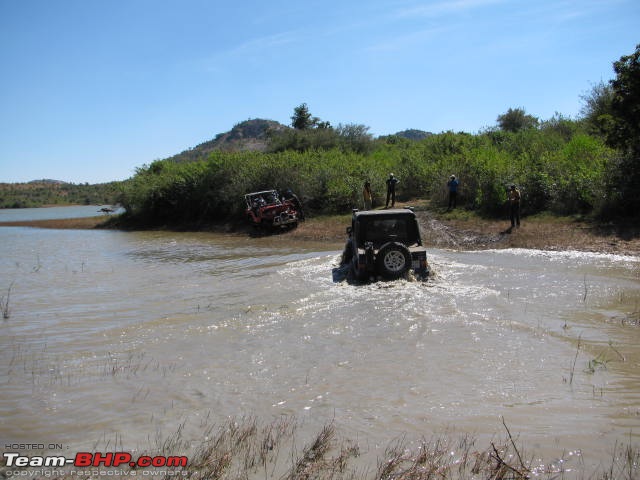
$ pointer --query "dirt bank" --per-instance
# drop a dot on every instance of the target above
(541, 232)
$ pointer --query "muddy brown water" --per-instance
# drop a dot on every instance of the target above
(119, 338)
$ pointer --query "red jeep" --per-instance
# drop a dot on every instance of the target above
(269, 210)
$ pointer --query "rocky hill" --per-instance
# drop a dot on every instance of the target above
(252, 135)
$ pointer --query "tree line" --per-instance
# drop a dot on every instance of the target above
(39, 193)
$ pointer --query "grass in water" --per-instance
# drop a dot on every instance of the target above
(245, 448)
(4, 303)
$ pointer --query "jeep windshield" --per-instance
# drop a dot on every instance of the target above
(261, 199)
(383, 229)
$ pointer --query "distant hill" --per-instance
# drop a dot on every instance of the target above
(413, 134)
(252, 135)
(49, 181)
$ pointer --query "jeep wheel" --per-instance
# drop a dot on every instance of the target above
(393, 260)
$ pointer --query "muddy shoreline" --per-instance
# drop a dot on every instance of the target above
(438, 231)
(540, 233)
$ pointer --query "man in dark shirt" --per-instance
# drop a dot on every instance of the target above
(453, 191)
(391, 190)
(514, 206)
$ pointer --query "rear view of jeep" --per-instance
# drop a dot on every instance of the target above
(385, 243)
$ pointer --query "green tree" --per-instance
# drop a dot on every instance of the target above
(562, 126)
(597, 109)
(301, 119)
(516, 119)
(624, 179)
(625, 105)
(355, 138)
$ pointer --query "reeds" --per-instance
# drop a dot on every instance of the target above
(244, 448)
(4, 303)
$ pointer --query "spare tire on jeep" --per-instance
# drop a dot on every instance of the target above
(393, 260)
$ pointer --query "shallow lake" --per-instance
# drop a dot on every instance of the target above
(53, 213)
(121, 337)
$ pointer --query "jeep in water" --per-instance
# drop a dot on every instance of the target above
(269, 211)
(384, 243)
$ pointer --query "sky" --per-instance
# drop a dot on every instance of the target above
(90, 90)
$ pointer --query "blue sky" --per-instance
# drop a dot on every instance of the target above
(92, 89)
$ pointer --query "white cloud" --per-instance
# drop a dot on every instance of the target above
(445, 7)
(407, 40)
(251, 50)
(267, 42)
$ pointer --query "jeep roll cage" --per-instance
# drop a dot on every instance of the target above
(382, 226)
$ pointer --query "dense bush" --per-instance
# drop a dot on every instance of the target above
(556, 167)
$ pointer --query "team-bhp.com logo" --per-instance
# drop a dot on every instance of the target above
(94, 460)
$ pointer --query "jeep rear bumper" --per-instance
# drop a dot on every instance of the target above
(364, 263)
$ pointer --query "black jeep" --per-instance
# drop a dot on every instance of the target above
(384, 243)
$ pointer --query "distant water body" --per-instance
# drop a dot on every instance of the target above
(50, 213)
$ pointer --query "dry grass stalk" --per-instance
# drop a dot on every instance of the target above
(4, 303)
(243, 449)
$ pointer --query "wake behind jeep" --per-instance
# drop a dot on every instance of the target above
(384, 243)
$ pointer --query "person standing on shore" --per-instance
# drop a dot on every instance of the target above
(367, 196)
(391, 190)
(452, 184)
(514, 206)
